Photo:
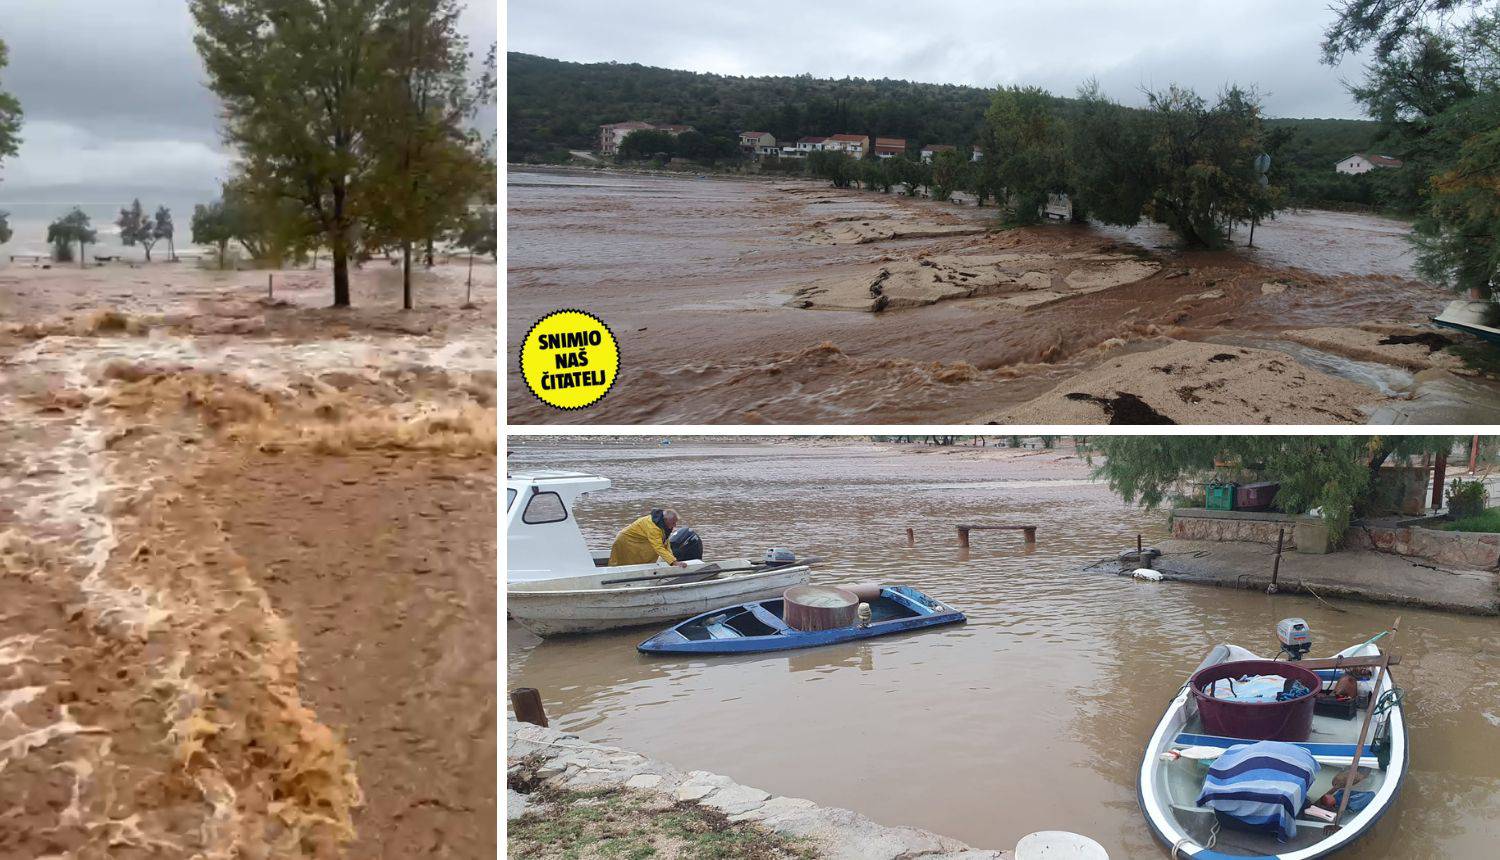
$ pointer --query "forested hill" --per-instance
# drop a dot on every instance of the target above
(556, 105)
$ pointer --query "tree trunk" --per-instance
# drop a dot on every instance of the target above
(83, 257)
(340, 273)
(429, 252)
(406, 275)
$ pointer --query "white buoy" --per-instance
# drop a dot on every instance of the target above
(1059, 845)
(1147, 574)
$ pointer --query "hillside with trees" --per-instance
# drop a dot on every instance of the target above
(555, 106)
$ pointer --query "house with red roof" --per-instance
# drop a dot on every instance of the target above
(1361, 162)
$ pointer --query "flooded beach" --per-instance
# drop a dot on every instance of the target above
(224, 521)
(701, 277)
(1032, 715)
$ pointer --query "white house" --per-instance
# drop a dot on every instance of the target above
(978, 155)
(1360, 162)
(931, 150)
(889, 147)
(802, 147)
(854, 144)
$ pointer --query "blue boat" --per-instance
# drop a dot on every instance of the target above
(758, 626)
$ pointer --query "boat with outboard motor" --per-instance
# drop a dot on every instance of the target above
(555, 584)
(1237, 768)
(762, 625)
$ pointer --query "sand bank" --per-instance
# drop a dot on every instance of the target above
(1197, 383)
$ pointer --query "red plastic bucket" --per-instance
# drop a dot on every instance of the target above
(1256, 721)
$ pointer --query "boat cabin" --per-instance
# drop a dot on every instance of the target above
(542, 537)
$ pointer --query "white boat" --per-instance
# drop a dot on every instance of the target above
(1470, 316)
(1169, 784)
(556, 585)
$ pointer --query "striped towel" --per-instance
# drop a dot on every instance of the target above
(1263, 785)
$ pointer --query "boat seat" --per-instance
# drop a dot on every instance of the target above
(722, 631)
(1319, 751)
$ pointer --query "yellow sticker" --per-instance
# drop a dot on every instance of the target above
(569, 359)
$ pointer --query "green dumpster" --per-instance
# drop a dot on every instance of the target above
(1220, 497)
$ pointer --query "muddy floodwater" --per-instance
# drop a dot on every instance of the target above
(763, 301)
(1031, 716)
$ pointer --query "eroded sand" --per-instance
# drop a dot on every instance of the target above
(1182, 383)
(716, 294)
(178, 485)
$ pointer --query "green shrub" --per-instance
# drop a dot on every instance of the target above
(1466, 499)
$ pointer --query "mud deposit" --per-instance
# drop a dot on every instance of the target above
(716, 289)
(1034, 714)
(229, 622)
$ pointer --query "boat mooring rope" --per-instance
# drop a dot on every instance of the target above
(1213, 836)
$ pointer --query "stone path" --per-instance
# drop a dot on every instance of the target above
(578, 765)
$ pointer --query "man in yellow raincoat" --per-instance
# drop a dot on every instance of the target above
(645, 540)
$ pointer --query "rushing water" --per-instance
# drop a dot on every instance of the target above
(1030, 717)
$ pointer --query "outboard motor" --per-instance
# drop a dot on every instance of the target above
(779, 556)
(685, 544)
(1295, 637)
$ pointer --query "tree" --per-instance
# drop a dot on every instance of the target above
(479, 234)
(303, 85)
(427, 166)
(70, 228)
(162, 228)
(832, 165)
(10, 127)
(213, 225)
(875, 174)
(949, 173)
(643, 144)
(1434, 85)
(136, 228)
(1024, 143)
(1334, 473)
(1200, 164)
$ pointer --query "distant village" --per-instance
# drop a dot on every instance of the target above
(763, 144)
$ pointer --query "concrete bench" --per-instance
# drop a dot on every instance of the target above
(963, 532)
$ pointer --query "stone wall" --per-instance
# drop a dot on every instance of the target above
(1469, 550)
(1248, 526)
(578, 765)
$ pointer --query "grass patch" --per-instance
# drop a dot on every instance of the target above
(1489, 521)
(1482, 356)
(614, 823)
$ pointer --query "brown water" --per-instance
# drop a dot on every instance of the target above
(1034, 714)
(692, 275)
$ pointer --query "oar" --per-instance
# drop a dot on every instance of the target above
(707, 570)
(1364, 729)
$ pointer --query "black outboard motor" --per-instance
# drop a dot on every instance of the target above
(685, 544)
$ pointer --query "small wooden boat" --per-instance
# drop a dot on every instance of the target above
(1175, 770)
(1469, 316)
(760, 625)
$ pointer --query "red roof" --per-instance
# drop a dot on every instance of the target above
(811, 139)
(634, 124)
(891, 141)
(852, 138)
(1384, 161)
(754, 133)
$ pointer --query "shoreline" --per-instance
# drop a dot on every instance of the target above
(538, 758)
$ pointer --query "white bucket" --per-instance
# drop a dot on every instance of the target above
(1059, 845)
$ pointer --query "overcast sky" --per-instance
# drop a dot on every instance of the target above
(1126, 44)
(114, 100)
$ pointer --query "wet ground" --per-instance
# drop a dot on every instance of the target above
(223, 523)
(1031, 716)
(694, 275)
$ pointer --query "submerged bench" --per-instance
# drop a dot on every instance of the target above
(963, 532)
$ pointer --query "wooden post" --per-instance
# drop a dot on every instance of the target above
(911, 537)
(1276, 565)
(270, 291)
(1030, 532)
(963, 536)
(1439, 472)
(527, 703)
(1473, 455)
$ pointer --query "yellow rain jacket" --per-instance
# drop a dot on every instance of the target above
(641, 542)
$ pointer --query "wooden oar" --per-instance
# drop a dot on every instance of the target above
(707, 570)
(1364, 730)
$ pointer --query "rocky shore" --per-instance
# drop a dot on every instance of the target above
(556, 769)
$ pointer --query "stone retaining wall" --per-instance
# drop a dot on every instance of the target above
(578, 765)
(1471, 550)
(1247, 526)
